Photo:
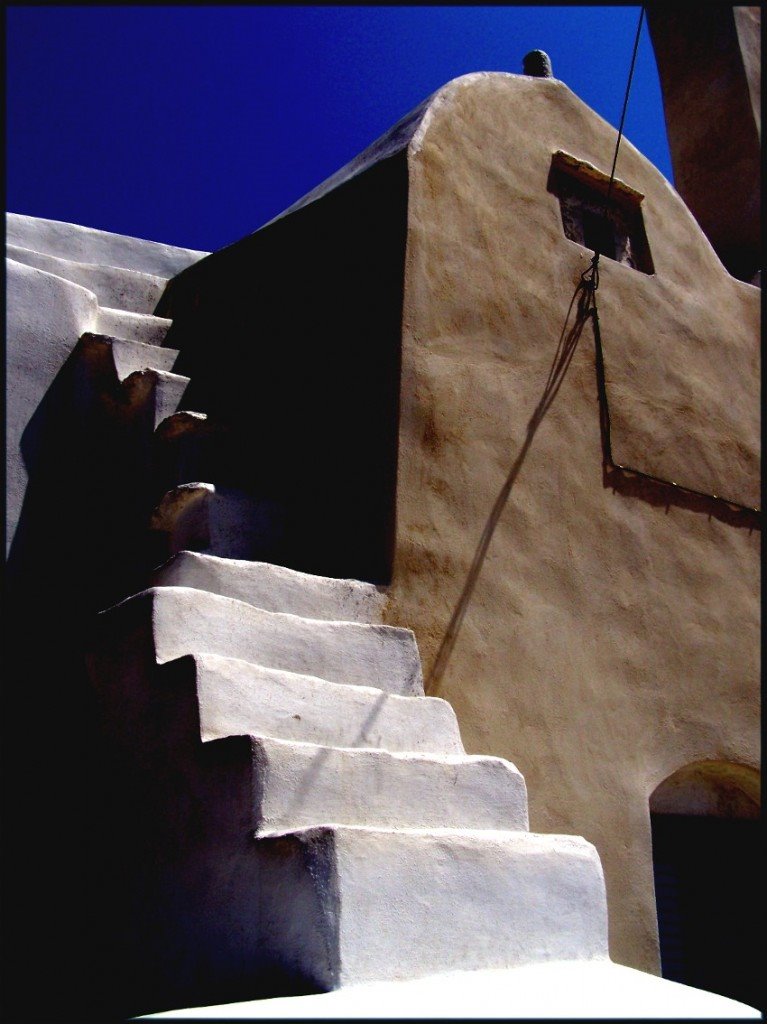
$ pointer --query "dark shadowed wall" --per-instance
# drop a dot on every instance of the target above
(291, 337)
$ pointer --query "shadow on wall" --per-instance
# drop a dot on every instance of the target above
(77, 847)
(292, 336)
(583, 300)
(622, 480)
(76, 550)
(102, 880)
(708, 872)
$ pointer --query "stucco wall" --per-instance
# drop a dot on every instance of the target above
(608, 640)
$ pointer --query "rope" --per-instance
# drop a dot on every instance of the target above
(595, 259)
(625, 105)
(589, 282)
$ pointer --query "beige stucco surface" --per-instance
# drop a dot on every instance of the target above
(607, 641)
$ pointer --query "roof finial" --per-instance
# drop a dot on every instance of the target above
(538, 64)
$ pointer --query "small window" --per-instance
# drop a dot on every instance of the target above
(616, 230)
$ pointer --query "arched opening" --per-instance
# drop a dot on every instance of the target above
(705, 834)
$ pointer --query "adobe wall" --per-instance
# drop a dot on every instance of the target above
(611, 636)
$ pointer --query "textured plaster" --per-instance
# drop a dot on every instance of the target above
(140, 327)
(89, 245)
(303, 785)
(186, 620)
(608, 639)
(237, 696)
(273, 587)
(113, 287)
(494, 899)
(45, 317)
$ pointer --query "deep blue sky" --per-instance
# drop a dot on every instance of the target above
(196, 125)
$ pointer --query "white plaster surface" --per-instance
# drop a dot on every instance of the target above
(188, 621)
(493, 899)
(236, 697)
(130, 356)
(51, 300)
(45, 315)
(143, 327)
(562, 990)
(168, 392)
(301, 785)
(89, 245)
(115, 287)
(161, 387)
(406, 903)
(274, 587)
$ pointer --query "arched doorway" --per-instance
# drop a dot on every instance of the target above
(705, 833)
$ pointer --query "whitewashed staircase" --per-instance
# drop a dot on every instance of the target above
(402, 855)
(121, 354)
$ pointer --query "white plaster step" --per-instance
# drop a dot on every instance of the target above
(301, 785)
(586, 990)
(142, 327)
(218, 521)
(238, 698)
(167, 390)
(114, 287)
(180, 620)
(372, 905)
(274, 587)
(90, 245)
(132, 356)
(106, 356)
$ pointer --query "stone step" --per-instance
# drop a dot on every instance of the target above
(167, 388)
(115, 287)
(219, 521)
(361, 904)
(273, 587)
(302, 785)
(239, 698)
(175, 621)
(555, 990)
(90, 245)
(119, 323)
(132, 356)
(102, 358)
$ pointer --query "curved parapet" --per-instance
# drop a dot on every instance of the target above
(89, 245)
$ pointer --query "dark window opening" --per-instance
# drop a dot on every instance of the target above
(602, 219)
(599, 234)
